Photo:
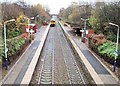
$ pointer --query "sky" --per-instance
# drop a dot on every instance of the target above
(53, 5)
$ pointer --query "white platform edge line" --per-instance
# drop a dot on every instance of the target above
(94, 75)
(28, 75)
(15, 64)
(112, 74)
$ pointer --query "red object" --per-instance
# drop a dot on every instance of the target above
(90, 32)
(35, 28)
(24, 35)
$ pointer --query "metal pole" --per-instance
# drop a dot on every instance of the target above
(117, 39)
(6, 49)
(6, 59)
(85, 20)
(116, 45)
(35, 20)
(116, 49)
(84, 28)
(28, 22)
(28, 30)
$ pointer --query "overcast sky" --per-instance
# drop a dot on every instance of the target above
(54, 5)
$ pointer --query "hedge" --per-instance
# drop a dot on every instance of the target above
(14, 46)
(106, 51)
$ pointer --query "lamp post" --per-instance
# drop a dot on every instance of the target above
(28, 29)
(85, 20)
(116, 52)
(6, 49)
(35, 18)
(28, 22)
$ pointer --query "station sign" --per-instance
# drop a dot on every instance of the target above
(116, 53)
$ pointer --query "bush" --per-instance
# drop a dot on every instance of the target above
(1, 53)
(111, 36)
(14, 45)
(107, 49)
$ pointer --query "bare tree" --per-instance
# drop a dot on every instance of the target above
(10, 11)
(75, 12)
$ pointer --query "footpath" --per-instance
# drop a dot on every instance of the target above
(17, 72)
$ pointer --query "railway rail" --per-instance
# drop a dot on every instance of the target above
(57, 63)
(47, 66)
(59, 58)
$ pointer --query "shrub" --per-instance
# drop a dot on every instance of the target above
(14, 45)
(1, 53)
(107, 49)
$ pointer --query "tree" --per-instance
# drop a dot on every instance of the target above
(75, 12)
(10, 11)
(14, 10)
(105, 13)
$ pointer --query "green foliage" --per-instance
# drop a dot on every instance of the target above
(14, 45)
(111, 36)
(107, 49)
(74, 13)
(12, 30)
(1, 53)
(105, 13)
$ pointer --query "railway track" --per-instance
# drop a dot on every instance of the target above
(74, 74)
(46, 72)
(57, 64)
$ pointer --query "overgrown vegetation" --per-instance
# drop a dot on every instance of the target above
(75, 12)
(14, 45)
(22, 8)
(22, 13)
(106, 51)
(104, 13)
(100, 14)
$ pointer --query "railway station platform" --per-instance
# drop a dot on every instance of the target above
(18, 71)
(23, 69)
(100, 73)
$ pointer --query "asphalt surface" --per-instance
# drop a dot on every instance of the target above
(58, 60)
(25, 66)
(93, 61)
(17, 73)
(103, 73)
